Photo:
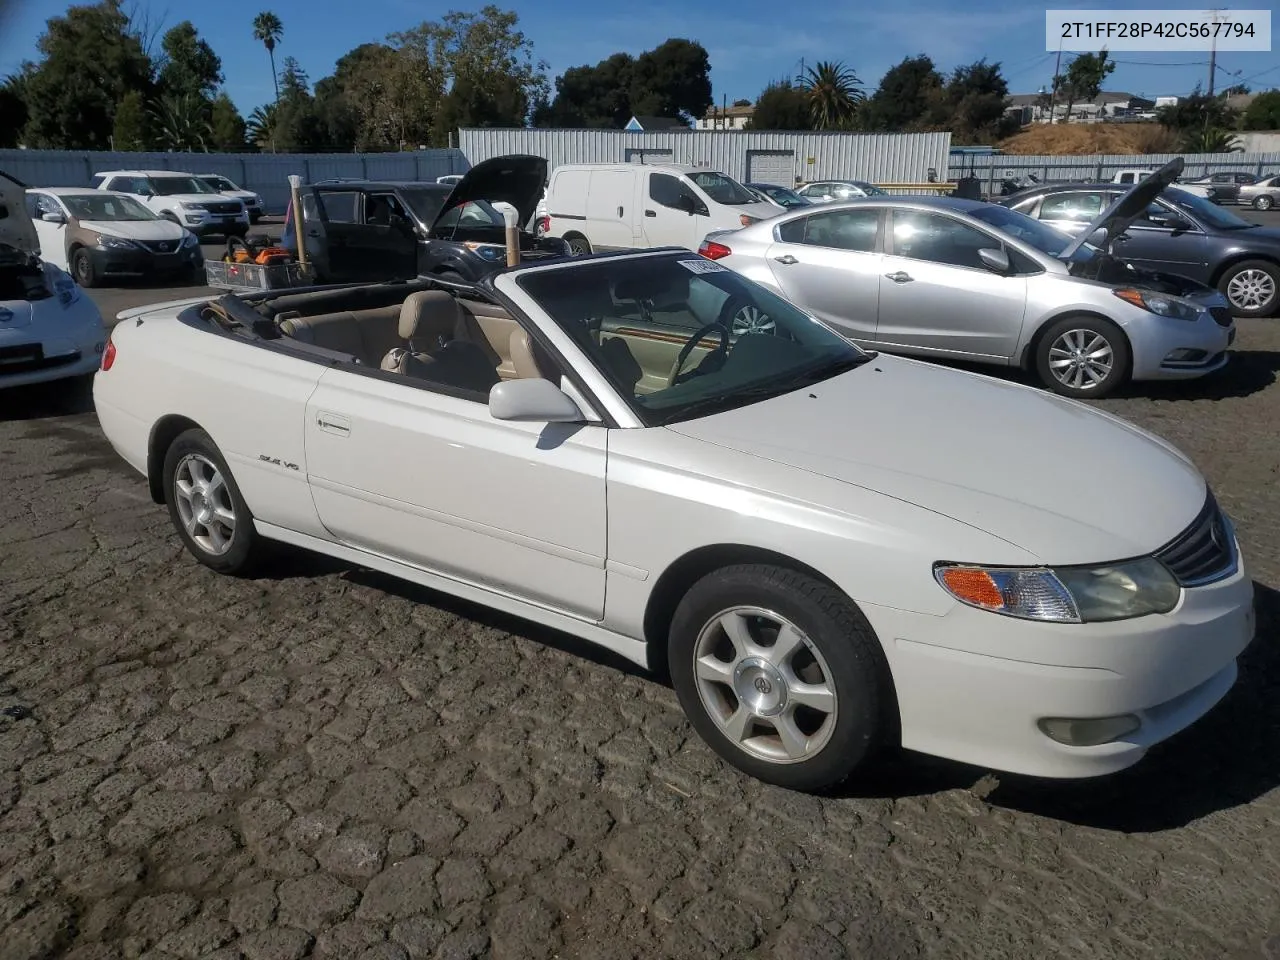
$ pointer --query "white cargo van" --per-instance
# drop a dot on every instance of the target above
(618, 206)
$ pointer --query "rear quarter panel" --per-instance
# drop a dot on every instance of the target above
(249, 399)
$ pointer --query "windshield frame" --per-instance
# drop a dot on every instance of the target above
(837, 353)
(203, 188)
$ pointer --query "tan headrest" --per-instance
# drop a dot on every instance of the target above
(428, 314)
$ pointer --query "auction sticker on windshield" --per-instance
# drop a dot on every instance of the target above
(702, 266)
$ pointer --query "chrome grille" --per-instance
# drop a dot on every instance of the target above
(1222, 315)
(162, 246)
(224, 207)
(1204, 552)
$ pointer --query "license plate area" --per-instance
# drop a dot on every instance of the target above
(21, 355)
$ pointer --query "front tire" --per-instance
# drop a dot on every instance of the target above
(1083, 357)
(1251, 288)
(206, 506)
(781, 675)
(1263, 203)
(82, 268)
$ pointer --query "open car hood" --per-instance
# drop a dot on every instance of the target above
(516, 179)
(16, 229)
(1118, 217)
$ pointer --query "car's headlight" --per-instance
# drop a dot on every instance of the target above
(114, 243)
(1094, 594)
(193, 206)
(1160, 304)
(488, 251)
(190, 240)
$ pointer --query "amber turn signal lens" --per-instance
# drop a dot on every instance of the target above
(973, 586)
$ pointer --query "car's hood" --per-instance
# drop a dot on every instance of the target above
(517, 179)
(1062, 481)
(16, 229)
(195, 197)
(1118, 217)
(136, 229)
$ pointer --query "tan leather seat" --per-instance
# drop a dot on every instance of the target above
(364, 334)
(529, 360)
(428, 320)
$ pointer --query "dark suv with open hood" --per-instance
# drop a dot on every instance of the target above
(362, 230)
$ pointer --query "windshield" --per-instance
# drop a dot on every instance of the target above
(870, 189)
(722, 189)
(220, 183)
(97, 206)
(169, 186)
(1032, 232)
(1206, 211)
(473, 213)
(788, 198)
(425, 202)
(740, 343)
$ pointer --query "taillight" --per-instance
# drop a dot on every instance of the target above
(544, 224)
(713, 251)
(109, 354)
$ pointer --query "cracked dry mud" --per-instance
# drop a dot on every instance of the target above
(325, 762)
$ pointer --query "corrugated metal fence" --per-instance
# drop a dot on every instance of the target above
(884, 158)
(264, 173)
(991, 169)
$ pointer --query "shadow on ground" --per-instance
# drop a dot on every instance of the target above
(59, 398)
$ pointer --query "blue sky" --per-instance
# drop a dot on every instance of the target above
(749, 41)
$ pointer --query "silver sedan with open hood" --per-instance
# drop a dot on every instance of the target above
(961, 279)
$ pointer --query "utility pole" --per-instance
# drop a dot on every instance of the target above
(1213, 54)
(1057, 70)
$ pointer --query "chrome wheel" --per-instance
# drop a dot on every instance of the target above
(765, 685)
(1251, 289)
(1264, 203)
(1081, 359)
(204, 504)
(751, 319)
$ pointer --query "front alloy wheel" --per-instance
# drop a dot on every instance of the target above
(1082, 357)
(1250, 288)
(1263, 203)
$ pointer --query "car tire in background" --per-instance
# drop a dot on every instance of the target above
(82, 268)
(781, 675)
(1073, 351)
(206, 506)
(1252, 287)
(579, 246)
(1263, 203)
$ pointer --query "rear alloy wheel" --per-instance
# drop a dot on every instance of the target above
(781, 675)
(82, 267)
(206, 507)
(579, 246)
(1083, 357)
(744, 318)
(1250, 287)
(1263, 203)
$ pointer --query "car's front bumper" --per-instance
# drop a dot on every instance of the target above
(1165, 349)
(203, 224)
(973, 686)
(27, 358)
(141, 262)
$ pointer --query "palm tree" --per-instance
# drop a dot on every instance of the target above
(1208, 139)
(834, 93)
(261, 126)
(181, 123)
(268, 28)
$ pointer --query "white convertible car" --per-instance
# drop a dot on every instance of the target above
(831, 551)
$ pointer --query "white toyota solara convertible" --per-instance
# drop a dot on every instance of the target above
(831, 551)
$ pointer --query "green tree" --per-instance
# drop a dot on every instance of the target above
(1196, 112)
(1264, 112)
(269, 31)
(298, 127)
(227, 127)
(834, 94)
(180, 122)
(13, 107)
(1210, 140)
(130, 131)
(972, 105)
(92, 58)
(189, 66)
(781, 106)
(904, 96)
(592, 96)
(261, 128)
(1085, 77)
(671, 80)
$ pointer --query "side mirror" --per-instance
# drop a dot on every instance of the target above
(532, 400)
(53, 218)
(1098, 238)
(994, 260)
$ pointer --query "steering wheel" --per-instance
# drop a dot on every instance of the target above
(720, 327)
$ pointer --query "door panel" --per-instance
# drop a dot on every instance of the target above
(52, 236)
(609, 209)
(1182, 251)
(936, 296)
(339, 224)
(434, 481)
(664, 224)
(827, 264)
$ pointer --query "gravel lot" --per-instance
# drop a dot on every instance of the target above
(327, 762)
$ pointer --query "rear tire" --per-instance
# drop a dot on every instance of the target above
(781, 675)
(1083, 357)
(206, 506)
(1263, 203)
(579, 246)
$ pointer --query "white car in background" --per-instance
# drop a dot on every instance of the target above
(49, 329)
(832, 551)
(181, 197)
(229, 188)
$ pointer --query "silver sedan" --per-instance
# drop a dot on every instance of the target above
(1263, 195)
(960, 279)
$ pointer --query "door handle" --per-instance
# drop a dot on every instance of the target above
(650, 213)
(900, 277)
(619, 211)
(332, 423)
(787, 259)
